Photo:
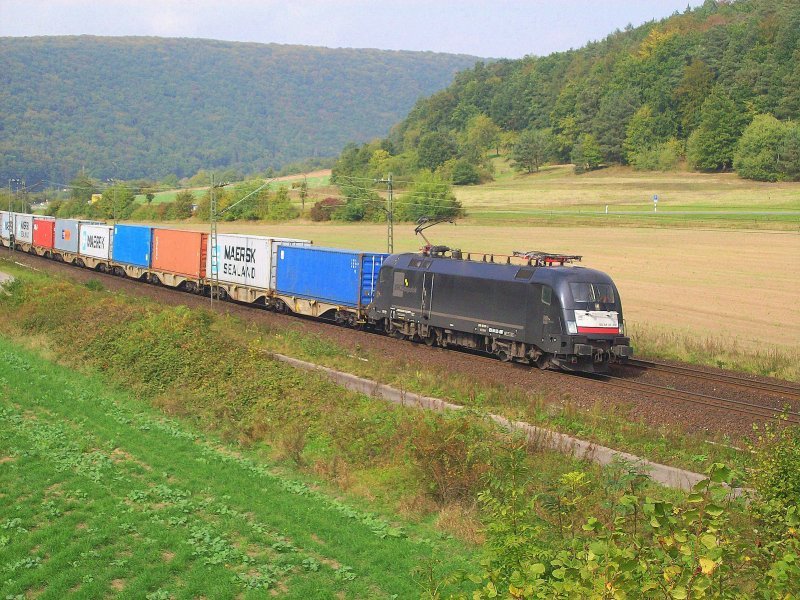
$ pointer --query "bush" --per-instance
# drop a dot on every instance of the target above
(430, 196)
(452, 454)
(322, 210)
(776, 475)
(361, 205)
(279, 207)
(662, 157)
(465, 173)
(762, 150)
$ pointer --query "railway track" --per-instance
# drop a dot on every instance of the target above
(752, 409)
(787, 392)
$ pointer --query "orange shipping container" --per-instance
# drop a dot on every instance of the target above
(182, 252)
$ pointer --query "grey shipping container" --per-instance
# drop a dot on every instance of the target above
(66, 234)
(23, 228)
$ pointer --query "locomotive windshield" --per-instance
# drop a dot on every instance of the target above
(592, 292)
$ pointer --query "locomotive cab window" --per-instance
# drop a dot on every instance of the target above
(592, 292)
(604, 293)
(415, 262)
(547, 295)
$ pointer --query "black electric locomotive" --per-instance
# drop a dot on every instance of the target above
(539, 312)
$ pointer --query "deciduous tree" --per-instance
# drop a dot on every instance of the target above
(534, 147)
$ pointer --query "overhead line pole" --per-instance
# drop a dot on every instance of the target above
(389, 212)
(10, 222)
(214, 291)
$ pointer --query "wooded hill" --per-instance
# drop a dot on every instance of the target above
(688, 86)
(136, 107)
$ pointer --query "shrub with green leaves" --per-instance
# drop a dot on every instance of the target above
(643, 548)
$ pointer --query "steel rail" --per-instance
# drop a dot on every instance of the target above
(734, 380)
(740, 406)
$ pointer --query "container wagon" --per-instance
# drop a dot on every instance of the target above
(43, 235)
(131, 250)
(6, 227)
(328, 282)
(179, 258)
(23, 231)
(66, 238)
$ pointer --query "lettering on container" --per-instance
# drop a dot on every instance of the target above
(240, 254)
(97, 242)
(239, 271)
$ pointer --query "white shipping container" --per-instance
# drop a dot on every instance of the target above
(5, 224)
(23, 228)
(248, 259)
(95, 240)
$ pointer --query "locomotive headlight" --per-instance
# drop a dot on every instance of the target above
(572, 328)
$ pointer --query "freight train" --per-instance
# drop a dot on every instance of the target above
(534, 309)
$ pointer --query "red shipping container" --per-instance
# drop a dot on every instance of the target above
(181, 252)
(44, 232)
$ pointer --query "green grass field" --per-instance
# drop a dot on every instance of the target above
(623, 189)
(102, 496)
(168, 196)
(315, 181)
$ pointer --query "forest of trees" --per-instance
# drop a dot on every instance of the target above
(148, 107)
(716, 88)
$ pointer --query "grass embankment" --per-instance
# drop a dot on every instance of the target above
(103, 495)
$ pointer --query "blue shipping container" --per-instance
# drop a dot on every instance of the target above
(132, 245)
(343, 277)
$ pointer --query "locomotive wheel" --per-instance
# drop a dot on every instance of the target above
(430, 340)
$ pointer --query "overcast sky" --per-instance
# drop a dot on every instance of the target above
(488, 28)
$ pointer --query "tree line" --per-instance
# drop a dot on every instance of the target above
(147, 107)
(716, 88)
(88, 199)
